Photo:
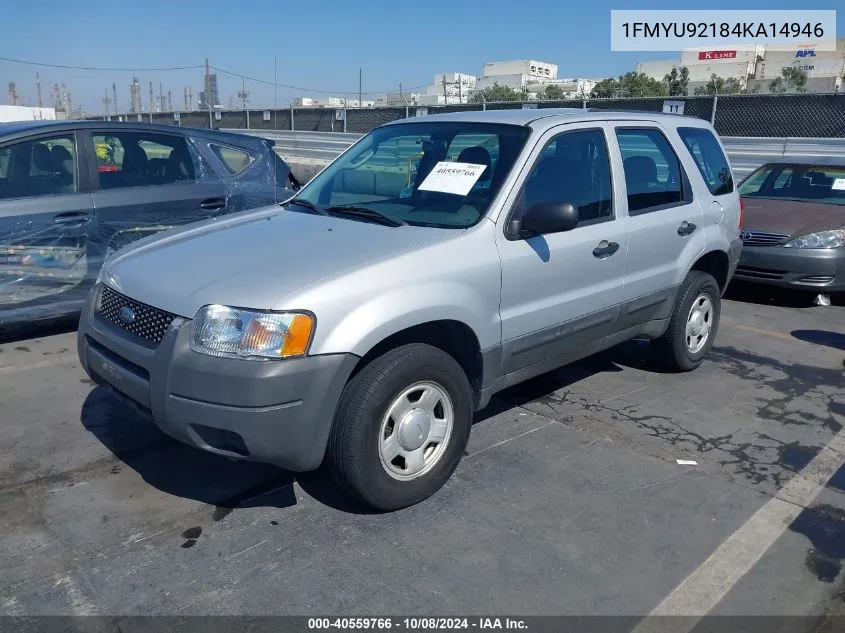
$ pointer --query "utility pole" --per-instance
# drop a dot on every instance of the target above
(114, 96)
(401, 96)
(152, 99)
(169, 101)
(161, 102)
(38, 84)
(360, 89)
(445, 97)
(460, 90)
(107, 101)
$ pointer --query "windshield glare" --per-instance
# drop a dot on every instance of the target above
(806, 183)
(390, 171)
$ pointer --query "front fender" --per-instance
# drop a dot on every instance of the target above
(372, 321)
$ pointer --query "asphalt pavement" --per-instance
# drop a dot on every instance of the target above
(570, 499)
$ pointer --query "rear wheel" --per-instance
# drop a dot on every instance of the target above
(693, 324)
(401, 427)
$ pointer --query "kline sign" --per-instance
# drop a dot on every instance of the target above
(717, 55)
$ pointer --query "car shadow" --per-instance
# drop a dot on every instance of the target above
(183, 471)
(821, 337)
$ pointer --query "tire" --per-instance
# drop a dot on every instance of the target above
(673, 350)
(363, 436)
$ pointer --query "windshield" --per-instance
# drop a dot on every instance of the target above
(804, 183)
(443, 175)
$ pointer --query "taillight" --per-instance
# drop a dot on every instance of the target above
(741, 214)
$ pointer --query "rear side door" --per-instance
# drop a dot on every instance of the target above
(45, 212)
(147, 181)
(561, 291)
(665, 221)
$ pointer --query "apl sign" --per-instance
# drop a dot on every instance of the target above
(805, 52)
(717, 55)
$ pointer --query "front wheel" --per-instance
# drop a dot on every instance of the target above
(401, 427)
(693, 324)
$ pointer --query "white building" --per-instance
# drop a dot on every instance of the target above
(331, 102)
(10, 113)
(521, 67)
(454, 87)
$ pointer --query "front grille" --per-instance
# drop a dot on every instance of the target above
(762, 238)
(146, 322)
(760, 273)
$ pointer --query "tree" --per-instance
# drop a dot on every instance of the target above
(791, 80)
(721, 86)
(629, 85)
(553, 93)
(677, 82)
(499, 93)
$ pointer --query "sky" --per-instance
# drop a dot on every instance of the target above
(319, 47)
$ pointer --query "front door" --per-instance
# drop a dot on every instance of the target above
(560, 291)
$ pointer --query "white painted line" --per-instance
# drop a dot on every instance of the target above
(245, 550)
(511, 439)
(705, 587)
(13, 369)
(686, 462)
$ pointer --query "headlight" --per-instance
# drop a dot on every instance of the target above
(822, 239)
(232, 332)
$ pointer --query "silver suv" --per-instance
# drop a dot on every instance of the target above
(436, 262)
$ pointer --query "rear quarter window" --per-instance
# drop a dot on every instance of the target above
(709, 158)
(233, 159)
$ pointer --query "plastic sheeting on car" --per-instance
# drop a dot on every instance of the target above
(53, 246)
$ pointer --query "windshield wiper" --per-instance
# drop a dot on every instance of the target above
(367, 213)
(308, 205)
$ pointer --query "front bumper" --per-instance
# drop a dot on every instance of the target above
(269, 411)
(816, 269)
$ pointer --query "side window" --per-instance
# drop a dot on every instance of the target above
(654, 178)
(574, 168)
(709, 158)
(42, 167)
(140, 159)
(235, 160)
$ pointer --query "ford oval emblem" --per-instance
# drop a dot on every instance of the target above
(744, 236)
(127, 315)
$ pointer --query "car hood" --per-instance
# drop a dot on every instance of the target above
(791, 217)
(253, 259)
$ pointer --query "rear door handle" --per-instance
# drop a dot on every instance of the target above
(72, 217)
(686, 228)
(605, 249)
(213, 203)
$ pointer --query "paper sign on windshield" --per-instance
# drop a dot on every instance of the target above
(838, 184)
(456, 178)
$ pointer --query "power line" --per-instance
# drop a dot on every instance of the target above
(270, 83)
(196, 67)
(66, 67)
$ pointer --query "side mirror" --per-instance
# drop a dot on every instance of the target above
(549, 217)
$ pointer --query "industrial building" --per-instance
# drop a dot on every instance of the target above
(9, 113)
(755, 66)
(135, 96)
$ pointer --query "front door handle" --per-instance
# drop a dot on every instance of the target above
(213, 203)
(686, 228)
(605, 249)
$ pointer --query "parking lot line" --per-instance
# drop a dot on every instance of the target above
(702, 590)
(756, 330)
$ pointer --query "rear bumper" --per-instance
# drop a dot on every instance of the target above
(816, 269)
(269, 411)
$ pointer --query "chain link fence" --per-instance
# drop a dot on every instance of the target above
(794, 115)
